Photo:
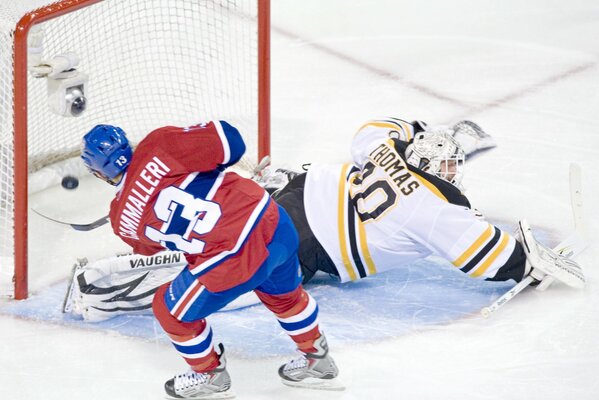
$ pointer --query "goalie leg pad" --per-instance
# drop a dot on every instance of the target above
(119, 285)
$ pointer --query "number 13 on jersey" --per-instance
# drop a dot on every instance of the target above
(182, 214)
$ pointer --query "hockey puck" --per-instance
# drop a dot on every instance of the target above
(70, 182)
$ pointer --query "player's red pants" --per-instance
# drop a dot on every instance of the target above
(296, 312)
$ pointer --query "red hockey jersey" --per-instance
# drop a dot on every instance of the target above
(177, 195)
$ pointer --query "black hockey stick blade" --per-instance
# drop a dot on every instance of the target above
(78, 227)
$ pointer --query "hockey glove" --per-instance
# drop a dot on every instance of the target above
(545, 266)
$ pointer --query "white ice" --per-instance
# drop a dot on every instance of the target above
(527, 72)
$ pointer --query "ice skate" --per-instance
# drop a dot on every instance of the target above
(215, 384)
(312, 370)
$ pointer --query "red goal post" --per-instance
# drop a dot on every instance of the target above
(150, 63)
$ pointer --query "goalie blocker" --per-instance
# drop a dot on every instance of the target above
(545, 265)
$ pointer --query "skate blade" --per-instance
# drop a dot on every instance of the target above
(316, 384)
(227, 394)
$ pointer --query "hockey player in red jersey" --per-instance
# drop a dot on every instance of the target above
(174, 192)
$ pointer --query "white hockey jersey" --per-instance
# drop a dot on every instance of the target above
(376, 214)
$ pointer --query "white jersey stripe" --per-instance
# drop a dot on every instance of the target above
(192, 300)
(310, 307)
(224, 141)
(243, 235)
(188, 180)
(304, 329)
(183, 297)
(215, 186)
(196, 340)
(197, 355)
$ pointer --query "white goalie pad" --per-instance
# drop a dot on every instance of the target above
(126, 285)
(120, 284)
(547, 265)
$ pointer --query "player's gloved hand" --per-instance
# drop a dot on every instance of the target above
(272, 181)
(545, 266)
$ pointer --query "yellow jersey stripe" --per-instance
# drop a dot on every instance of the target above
(430, 186)
(382, 124)
(406, 128)
(364, 248)
(385, 124)
(341, 222)
(474, 247)
(485, 266)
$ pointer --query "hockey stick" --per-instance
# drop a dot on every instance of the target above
(260, 167)
(78, 227)
(571, 247)
(487, 311)
(104, 220)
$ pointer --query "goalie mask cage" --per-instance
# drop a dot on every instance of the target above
(150, 63)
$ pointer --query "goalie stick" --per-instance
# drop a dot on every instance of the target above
(104, 220)
(571, 247)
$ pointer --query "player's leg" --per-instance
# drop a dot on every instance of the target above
(312, 255)
(297, 313)
(181, 307)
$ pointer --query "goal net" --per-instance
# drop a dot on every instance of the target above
(143, 64)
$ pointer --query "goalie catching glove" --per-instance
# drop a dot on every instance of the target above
(545, 265)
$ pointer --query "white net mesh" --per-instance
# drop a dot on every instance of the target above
(150, 63)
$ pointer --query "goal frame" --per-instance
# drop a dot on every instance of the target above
(20, 177)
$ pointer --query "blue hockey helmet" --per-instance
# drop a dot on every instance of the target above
(106, 151)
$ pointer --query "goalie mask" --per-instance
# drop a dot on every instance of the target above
(437, 153)
(106, 152)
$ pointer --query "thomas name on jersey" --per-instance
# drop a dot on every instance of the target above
(387, 158)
